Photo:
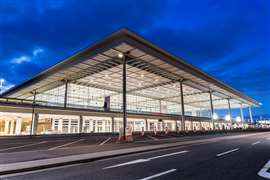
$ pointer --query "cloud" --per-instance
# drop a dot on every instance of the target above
(37, 51)
(5, 85)
(27, 58)
(21, 59)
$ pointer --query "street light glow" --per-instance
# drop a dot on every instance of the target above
(227, 117)
(215, 116)
(238, 119)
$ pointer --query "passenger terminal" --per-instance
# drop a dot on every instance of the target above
(122, 81)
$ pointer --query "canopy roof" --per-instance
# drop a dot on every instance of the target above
(151, 72)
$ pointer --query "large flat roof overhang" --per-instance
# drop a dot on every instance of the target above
(98, 64)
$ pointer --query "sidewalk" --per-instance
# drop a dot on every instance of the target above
(30, 160)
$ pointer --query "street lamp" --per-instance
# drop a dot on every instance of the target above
(227, 117)
(238, 119)
(215, 116)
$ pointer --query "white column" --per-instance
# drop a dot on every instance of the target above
(53, 125)
(69, 125)
(18, 126)
(7, 122)
(60, 125)
(12, 122)
(34, 125)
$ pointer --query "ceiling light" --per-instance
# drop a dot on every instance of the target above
(120, 55)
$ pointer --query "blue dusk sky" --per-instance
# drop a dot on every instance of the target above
(229, 39)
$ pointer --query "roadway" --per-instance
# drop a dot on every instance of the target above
(240, 158)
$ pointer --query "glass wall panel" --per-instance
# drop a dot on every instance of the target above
(92, 124)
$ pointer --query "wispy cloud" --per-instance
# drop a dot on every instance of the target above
(27, 58)
(37, 51)
(21, 59)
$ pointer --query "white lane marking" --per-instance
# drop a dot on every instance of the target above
(144, 160)
(227, 152)
(263, 172)
(127, 163)
(151, 137)
(166, 155)
(257, 142)
(105, 141)
(27, 145)
(159, 174)
(67, 144)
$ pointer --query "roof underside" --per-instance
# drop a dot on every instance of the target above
(151, 72)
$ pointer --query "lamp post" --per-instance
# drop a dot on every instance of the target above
(182, 106)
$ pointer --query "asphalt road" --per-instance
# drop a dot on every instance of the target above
(236, 159)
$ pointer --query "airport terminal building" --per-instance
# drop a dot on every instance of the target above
(122, 80)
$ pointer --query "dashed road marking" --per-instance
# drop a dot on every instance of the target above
(159, 174)
(27, 145)
(105, 141)
(257, 142)
(144, 160)
(227, 152)
(67, 144)
(264, 172)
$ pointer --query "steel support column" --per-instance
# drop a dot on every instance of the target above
(66, 93)
(182, 106)
(241, 113)
(33, 113)
(250, 114)
(80, 124)
(146, 125)
(212, 109)
(230, 111)
(124, 96)
(113, 124)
